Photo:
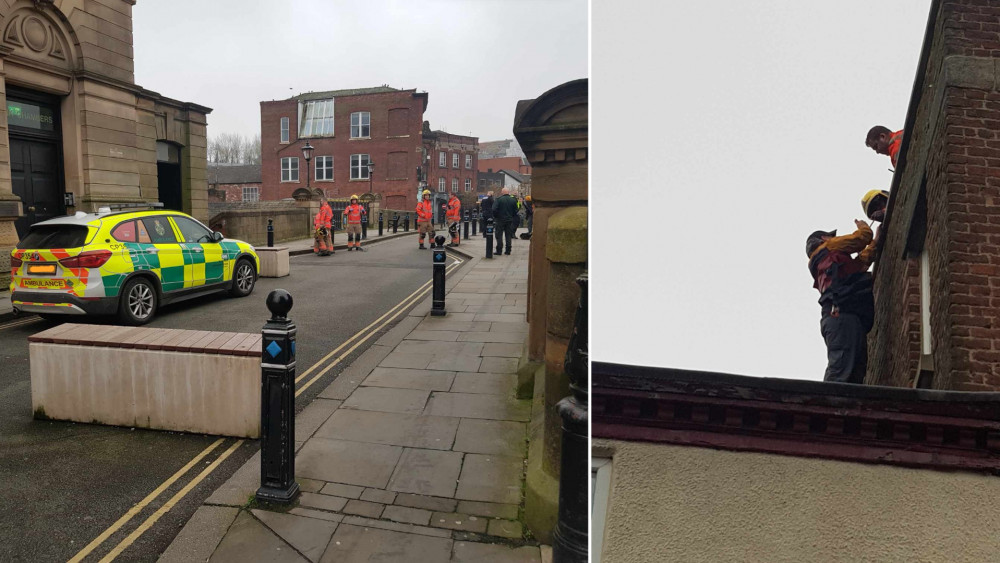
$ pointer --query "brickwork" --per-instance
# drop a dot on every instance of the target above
(229, 192)
(394, 144)
(439, 142)
(946, 203)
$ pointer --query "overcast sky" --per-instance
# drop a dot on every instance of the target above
(476, 58)
(733, 129)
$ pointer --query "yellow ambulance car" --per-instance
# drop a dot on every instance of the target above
(126, 263)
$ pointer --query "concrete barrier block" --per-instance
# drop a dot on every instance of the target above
(273, 261)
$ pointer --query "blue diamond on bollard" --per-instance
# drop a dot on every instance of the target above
(293, 347)
(439, 256)
(274, 349)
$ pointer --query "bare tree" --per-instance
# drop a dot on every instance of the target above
(233, 148)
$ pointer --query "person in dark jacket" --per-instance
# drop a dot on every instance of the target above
(486, 208)
(505, 218)
(846, 300)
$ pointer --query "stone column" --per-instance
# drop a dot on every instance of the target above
(10, 204)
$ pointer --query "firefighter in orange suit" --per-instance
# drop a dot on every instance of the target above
(883, 141)
(323, 223)
(352, 216)
(453, 214)
(425, 218)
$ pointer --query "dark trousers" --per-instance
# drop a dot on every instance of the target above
(503, 230)
(846, 348)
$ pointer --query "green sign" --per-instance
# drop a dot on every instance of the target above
(31, 116)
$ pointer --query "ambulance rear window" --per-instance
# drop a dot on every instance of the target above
(54, 236)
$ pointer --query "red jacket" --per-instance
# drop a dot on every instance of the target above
(454, 212)
(354, 213)
(325, 216)
(425, 212)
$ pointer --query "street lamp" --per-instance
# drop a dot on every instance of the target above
(371, 171)
(307, 153)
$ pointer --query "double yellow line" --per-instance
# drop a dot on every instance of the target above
(358, 339)
(20, 322)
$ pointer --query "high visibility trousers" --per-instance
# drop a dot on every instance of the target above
(425, 228)
(353, 235)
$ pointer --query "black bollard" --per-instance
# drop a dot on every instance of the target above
(489, 238)
(475, 219)
(569, 543)
(465, 235)
(364, 225)
(395, 222)
(406, 223)
(440, 256)
(270, 233)
(379, 223)
(277, 403)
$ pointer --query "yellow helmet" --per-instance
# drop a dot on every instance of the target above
(427, 192)
(527, 198)
(870, 197)
(354, 196)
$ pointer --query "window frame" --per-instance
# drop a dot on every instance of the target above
(316, 169)
(442, 159)
(442, 185)
(454, 160)
(468, 162)
(289, 169)
(308, 118)
(255, 192)
(179, 220)
(135, 231)
(454, 185)
(285, 130)
(361, 124)
(468, 184)
(362, 166)
(149, 232)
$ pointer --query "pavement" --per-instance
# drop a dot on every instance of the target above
(414, 453)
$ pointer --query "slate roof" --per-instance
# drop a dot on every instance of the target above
(233, 174)
(349, 92)
(521, 179)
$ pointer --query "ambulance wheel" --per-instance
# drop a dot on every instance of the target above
(138, 302)
(244, 278)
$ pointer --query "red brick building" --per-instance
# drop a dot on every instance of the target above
(347, 128)
(937, 276)
(503, 155)
(233, 182)
(452, 161)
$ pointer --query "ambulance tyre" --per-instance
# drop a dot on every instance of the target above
(244, 278)
(138, 302)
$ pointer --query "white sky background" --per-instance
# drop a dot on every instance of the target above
(476, 58)
(735, 129)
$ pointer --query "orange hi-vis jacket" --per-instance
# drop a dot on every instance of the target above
(354, 213)
(325, 216)
(894, 143)
(425, 212)
(454, 212)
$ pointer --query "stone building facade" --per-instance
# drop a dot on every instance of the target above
(347, 128)
(76, 132)
(553, 131)
(937, 276)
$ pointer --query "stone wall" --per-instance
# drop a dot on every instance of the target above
(248, 222)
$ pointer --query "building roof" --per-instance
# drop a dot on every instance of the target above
(862, 423)
(500, 149)
(521, 179)
(347, 92)
(233, 174)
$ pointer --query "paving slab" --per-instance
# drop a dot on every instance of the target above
(498, 317)
(455, 363)
(489, 336)
(434, 335)
(440, 348)
(397, 333)
(471, 552)
(349, 379)
(364, 508)
(488, 509)
(470, 405)
(487, 307)
(317, 514)
(393, 429)
(309, 485)
(425, 502)
(307, 535)
(311, 417)
(427, 472)
(378, 495)
(408, 360)
(520, 327)
(238, 489)
(403, 378)
(433, 323)
(249, 540)
(200, 536)
(510, 529)
(352, 463)
(342, 490)
(491, 478)
(396, 526)
(497, 365)
(460, 522)
(355, 544)
(384, 399)
(504, 350)
(322, 502)
(485, 383)
(408, 515)
(499, 437)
